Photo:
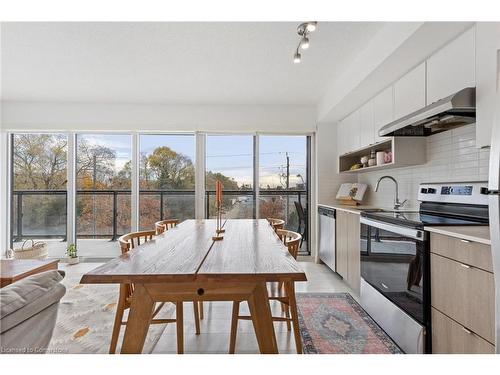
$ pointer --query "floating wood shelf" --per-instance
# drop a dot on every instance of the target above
(406, 151)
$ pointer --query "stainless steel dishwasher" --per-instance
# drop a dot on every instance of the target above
(327, 236)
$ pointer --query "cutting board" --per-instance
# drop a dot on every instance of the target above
(351, 192)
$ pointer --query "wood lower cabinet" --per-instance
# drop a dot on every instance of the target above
(347, 248)
(462, 296)
(353, 254)
(341, 246)
(450, 337)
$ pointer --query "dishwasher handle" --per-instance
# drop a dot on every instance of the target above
(330, 212)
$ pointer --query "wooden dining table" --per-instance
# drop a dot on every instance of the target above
(186, 264)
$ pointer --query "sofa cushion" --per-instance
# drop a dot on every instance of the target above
(27, 297)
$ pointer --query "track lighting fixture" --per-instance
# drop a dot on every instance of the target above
(297, 57)
(304, 43)
(303, 30)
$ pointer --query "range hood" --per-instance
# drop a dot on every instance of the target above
(452, 112)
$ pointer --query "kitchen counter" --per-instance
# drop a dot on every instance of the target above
(355, 209)
(479, 234)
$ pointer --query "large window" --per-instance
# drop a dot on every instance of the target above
(283, 176)
(166, 178)
(229, 159)
(39, 174)
(103, 183)
(111, 184)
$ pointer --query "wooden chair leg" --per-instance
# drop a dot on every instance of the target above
(120, 308)
(179, 317)
(290, 291)
(287, 315)
(234, 326)
(200, 305)
(196, 317)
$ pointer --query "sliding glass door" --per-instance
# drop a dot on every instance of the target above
(166, 178)
(39, 191)
(103, 185)
(283, 181)
(230, 159)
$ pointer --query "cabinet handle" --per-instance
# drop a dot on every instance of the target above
(385, 286)
(465, 265)
(465, 241)
(466, 330)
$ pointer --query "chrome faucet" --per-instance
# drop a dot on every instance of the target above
(397, 203)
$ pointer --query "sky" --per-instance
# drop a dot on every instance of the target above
(231, 155)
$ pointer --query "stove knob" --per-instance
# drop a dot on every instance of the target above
(431, 191)
(423, 190)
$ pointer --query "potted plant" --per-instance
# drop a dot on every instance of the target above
(71, 254)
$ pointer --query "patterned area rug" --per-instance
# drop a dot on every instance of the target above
(86, 316)
(334, 323)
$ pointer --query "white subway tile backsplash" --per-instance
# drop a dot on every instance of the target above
(451, 156)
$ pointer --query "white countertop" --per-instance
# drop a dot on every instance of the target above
(353, 209)
(480, 233)
(474, 233)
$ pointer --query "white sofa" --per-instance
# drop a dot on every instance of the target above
(28, 312)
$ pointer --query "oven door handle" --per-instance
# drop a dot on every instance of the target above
(404, 231)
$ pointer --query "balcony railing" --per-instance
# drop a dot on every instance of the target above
(42, 213)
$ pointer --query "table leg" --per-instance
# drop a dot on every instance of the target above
(138, 321)
(262, 319)
(290, 292)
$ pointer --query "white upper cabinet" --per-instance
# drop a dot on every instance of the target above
(451, 68)
(487, 45)
(352, 131)
(383, 111)
(348, 134)
(366, 132)
(409, 92)
(341, 144)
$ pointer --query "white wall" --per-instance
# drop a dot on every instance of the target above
(451, 157)
(154, 117)
(328, 178)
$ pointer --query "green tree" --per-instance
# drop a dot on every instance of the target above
(169, 169)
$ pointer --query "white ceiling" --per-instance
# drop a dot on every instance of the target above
(184, 63)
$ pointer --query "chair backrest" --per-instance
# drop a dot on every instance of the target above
(131, 240)
(276, 223)
(163, 225)
(291, 241)
(300, 210)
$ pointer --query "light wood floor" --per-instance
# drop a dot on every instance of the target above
(215, 327)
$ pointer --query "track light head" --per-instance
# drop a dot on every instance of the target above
(297, 57)
(304, 42)
(311, 26)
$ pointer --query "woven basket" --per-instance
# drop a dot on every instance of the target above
(37, 250)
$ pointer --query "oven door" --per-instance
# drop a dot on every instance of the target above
(394, 262)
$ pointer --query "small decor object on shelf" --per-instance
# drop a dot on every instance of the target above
(364, 161)
(380, 157)
(72, 254)
(387, 157)
(372, 161)
(218, 198)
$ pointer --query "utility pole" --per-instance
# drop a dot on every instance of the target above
(287, 186)
(94, 177)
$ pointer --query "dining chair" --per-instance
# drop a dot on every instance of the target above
(302, 214)
(283, 293)
(163, 225)
(127, 242)
(276, 223)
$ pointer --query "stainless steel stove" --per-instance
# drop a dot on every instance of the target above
(395, 266)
